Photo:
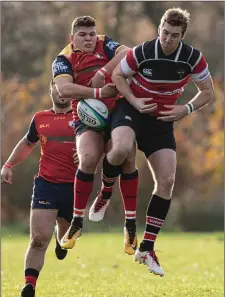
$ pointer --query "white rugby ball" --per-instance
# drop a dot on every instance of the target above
(93, 113)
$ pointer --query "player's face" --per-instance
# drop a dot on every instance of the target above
(169, 37)
(57, 101)
(85, 39)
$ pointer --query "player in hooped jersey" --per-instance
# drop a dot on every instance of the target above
(52, 198)
(83, 70)
(157, 72)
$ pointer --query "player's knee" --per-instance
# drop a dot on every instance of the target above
(121, 153)
(166, 183)
(88, 162)
(39, 242)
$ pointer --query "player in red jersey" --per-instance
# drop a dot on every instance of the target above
(86, 62)
(52, 197)
(158, 70)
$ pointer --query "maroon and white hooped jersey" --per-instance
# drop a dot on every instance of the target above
(154, 75)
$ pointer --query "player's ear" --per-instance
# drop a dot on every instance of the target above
(159, 30)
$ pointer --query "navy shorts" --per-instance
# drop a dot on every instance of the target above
(151, 134)
(48, 195)
(81, 128)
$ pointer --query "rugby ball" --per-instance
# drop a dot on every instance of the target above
(93, 113)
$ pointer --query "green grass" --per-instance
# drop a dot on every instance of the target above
(97, 267)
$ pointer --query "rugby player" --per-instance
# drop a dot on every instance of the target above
(158, 70)
(85, 63)
(52, 197)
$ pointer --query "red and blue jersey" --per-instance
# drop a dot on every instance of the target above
(56, 135)
(163, 78)
(83, 66)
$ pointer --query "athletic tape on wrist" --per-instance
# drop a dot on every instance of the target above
(188, 108)
(97, 93)
(103, 72)
(8, 165)
(191, 106)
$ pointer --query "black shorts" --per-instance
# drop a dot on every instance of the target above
(151, 134)
(48, 195)
(81, 128)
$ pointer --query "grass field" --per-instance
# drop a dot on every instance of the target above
(97, 267)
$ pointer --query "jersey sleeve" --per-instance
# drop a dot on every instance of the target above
(110, 47)
(32, 134)
(200, 71)
(129, 64)
(61, 67)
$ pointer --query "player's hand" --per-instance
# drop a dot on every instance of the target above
(75, 157)
(109, 90)
(97, 81)
(176, 113)
(144, 105)
(6, 175)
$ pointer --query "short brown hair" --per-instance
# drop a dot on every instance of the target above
(83, 21)
(176, 17)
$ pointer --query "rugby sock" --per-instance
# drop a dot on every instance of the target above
(156, 214)
(129, 187)
(109, 175)
(83, 185)
(31, 276)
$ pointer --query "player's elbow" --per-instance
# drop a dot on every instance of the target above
(210, 94)
(116, 77)
(63, 90)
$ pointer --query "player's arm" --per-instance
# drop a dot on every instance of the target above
(63, 76)
(120, 76)
(203, 81)
(115, 52)
(127, 67)
(205, 87)
(21, 151)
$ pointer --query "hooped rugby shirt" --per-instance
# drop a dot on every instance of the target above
(163, 78)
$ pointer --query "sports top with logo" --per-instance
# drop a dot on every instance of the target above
(56, 135)
(161, 77)
(154, 75)
(82, 66)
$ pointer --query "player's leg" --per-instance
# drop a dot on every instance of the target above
(61, 227)
(128, 187)
(41, 229)
(42, 218)
(162, 162)
(128, 184)
(90, 147)
(65, 215)
(118, 149)
(125, 127)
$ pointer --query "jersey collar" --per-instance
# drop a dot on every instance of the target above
(159, 54)
(52, 110)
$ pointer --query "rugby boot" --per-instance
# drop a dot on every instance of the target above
(98, 208)
(72, 234)
(28, 291)
(149, 259)
(130, 237)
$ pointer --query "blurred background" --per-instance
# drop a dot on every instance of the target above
(33, 33)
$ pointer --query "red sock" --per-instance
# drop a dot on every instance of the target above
(31, 276)
(129, 188)
(83, 185)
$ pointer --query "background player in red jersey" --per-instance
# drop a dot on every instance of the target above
(52, 197)
(89, 61)
(158, 70)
